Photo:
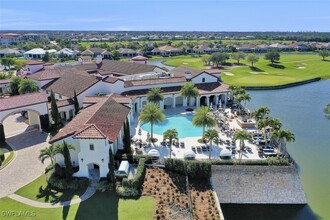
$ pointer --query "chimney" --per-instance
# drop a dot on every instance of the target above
(187, 76)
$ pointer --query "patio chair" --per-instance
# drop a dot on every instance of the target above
(204, 148)
(193, 148)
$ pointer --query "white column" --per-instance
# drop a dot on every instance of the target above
(216, 100)
(161, 104)
(185, 101)
(225, 99)
(140, 105)
(173, 104)
(198, 98)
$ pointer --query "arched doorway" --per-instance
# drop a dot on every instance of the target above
(18, 122)
(178, 101)
(203, 101)
(93, 170)
(168, 101)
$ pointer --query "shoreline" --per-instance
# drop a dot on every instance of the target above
(282, 86)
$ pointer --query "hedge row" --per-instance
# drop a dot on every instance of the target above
(133, 159)
(276, 161)
(138, 179)
(193, 168)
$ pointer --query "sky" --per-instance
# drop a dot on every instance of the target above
(166, 15)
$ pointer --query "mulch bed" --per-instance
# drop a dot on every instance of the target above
(169, 191)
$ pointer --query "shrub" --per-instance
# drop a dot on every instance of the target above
(198, 169)
(59, 183)
(120, 177)
(133, 159)
(2, 134)
(126, 192)
(194, 169)
(278, 161)
(59, 171)
(104, 186)
(2, 156)
(138, 179)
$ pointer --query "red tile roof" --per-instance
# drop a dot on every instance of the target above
(90, 132)
(34, 62)
(203, 88)
(139, 58)
(62, 103)
(107, 116)
(5, 81)
(24, 100)
(69, 82)
(154, 81)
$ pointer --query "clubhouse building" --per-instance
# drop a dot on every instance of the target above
(109, 94)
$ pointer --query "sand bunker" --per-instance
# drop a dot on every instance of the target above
(301, 67)
(228, 73)
(258, 73)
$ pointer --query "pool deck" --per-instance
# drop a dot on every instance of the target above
(178, 152)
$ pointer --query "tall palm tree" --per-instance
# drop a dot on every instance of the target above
(261, 113)
(27, 86)
(48, 152)
(203, 118)
(236, 91)
(275, 124)
(189, 91)
(262, 125)
(241, 136)
(282, 137)
(171, 134)
(210, 136)
(155, 95)
(151, 113)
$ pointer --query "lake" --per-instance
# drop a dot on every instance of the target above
(300, 109)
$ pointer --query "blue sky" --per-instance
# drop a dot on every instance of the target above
(166, 15)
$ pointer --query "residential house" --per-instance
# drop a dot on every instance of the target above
(9, 52)
(36, 53)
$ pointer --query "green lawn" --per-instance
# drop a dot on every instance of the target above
(99, 206)
(9, 157)
(292, 68)
(193, 61)
(37, 190)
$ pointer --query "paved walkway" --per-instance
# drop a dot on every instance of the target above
(25, 165)
(89, 193)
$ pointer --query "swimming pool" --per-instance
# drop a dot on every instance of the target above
(182, 123)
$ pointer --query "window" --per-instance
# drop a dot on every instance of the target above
(60, 96)
(203, 79)
(91, 146)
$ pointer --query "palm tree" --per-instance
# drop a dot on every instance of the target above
(246, 98)
(242, 136)
(155, 95)
(171, 134)
(261, 113)
(210, 136)
(27, 86)
(59, 148)
(14, 84)
(189, 91)
(151, 113)
(262, 124)
(282, 137)
(48, 152)
(275, 124)
(203, 118)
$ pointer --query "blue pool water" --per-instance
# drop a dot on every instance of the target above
(182, 123)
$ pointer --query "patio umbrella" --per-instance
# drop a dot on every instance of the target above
(189, 155)
(154, 153)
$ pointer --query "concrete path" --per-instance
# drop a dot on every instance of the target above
(25, 165)
(89, 193)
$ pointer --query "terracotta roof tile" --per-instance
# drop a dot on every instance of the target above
(203, 88)
(17, 101)
(90, 132)
(69, 82)
(107, 115)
